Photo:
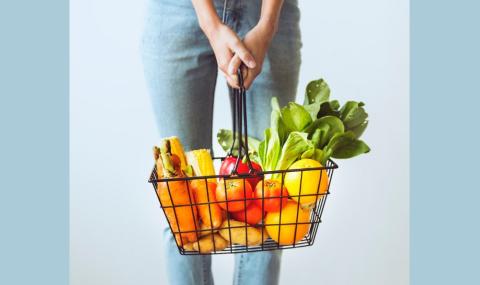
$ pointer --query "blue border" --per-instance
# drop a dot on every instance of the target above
(34, 122)
(445, 142)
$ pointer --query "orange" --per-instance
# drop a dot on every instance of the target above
(289, 216)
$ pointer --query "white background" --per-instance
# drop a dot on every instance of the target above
(360, 47)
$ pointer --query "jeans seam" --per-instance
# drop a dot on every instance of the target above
(240, 269)
(204, 271)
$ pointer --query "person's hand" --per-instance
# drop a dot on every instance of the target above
(225, 44)
(257, 40)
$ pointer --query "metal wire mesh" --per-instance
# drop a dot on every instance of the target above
(231, 237)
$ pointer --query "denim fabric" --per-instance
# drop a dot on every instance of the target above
(181, 71)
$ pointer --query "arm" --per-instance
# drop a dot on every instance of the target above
(258, 40)
(225, 42)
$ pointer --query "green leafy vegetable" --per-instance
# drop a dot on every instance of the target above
(270, 150)
(225, 139)
(296, 146)
(313, 109)
(328, 127)
(346, 145)
(295, 117)
(276, 121)
(353, 115)
(317, 91)
(319, 129)
(329, 109)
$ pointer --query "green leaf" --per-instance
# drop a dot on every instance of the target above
(296, 145)
(276, 122)
(329, 109)
(358, 130)
(313, 109)
(328, 126)
(272, 148)
(353, 114)
(317, 91)
(225, 139)
(317, 135)
(346, 145)
(295, 117)
(320, 156)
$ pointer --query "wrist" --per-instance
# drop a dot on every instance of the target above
(267, 27)
(209, 24)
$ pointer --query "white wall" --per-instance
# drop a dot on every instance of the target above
(359, 47)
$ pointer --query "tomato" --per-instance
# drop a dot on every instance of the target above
(312, 182)
(229, 163)
(229, 190)
(253, 214)
(288, 234)
(271, 195)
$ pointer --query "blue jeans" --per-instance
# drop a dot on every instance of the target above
(181, 71)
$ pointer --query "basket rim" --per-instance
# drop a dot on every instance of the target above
(153, 178)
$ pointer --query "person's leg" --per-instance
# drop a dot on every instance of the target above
(185, 269)
(279, 78)
(180, 71)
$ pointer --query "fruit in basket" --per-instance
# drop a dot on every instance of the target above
(210, 212)
(312, 183)
(175, 196)
(228, 164)
(252, 215)
(282, 230)
(271, 194)
(233, 194)
(241, 233)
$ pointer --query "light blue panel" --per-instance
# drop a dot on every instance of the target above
(445, 101)
(34, 142)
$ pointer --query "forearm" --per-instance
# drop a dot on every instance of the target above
(207, 16)
(270, 14)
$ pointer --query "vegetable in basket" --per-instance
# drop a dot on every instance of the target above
(203, 190)
(233, 193)
(174, 193)
(319, 129)
(271, 196)
(228, 164)
(302, 136)
(252, 215)
(241, 233)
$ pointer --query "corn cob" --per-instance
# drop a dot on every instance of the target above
(201, 162)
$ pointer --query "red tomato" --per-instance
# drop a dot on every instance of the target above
(271, 195)
(253, 214)
(229, 190)
(229, 163)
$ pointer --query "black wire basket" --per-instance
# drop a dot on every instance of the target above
(294, 226)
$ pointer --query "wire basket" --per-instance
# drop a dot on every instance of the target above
(294, 226)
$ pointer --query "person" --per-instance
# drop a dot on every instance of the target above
(184, 44)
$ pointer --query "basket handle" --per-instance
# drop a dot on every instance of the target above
(239, 120)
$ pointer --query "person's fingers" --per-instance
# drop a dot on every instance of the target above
(249, 77)
(239, 49)
(231, 80)
(234, 64)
